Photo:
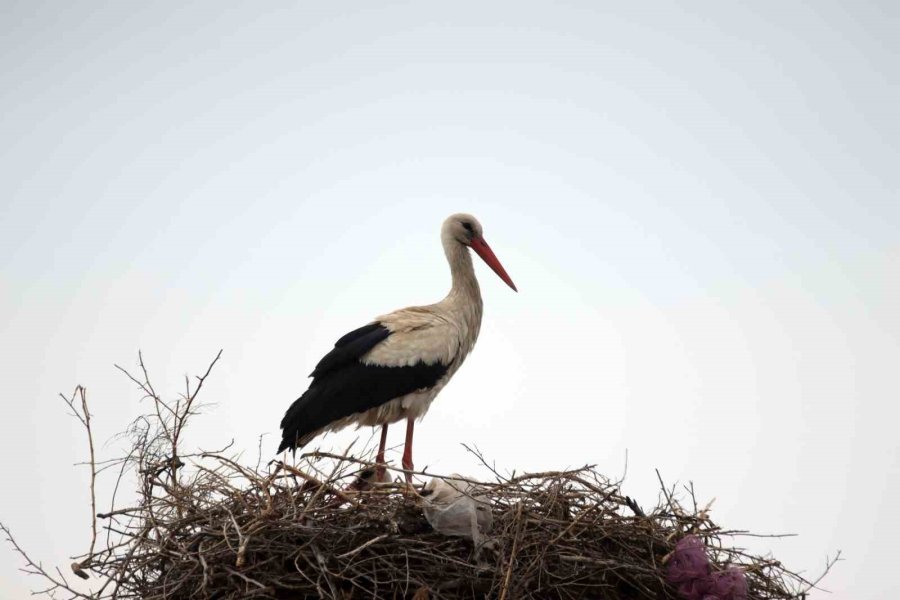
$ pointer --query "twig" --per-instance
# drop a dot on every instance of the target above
(204, 523)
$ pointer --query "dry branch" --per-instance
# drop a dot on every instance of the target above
(204, 525)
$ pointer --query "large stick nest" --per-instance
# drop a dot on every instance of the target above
(206, 526)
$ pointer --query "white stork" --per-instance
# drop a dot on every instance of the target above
(392, 368)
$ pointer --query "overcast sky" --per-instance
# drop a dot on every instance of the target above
(698, 205)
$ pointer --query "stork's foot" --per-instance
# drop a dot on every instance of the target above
(408, 472)
(409, 488)
(407, 461)
(409, 491)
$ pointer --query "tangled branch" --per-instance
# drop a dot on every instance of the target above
(203, 525)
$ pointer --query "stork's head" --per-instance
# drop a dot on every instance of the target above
(466, 230)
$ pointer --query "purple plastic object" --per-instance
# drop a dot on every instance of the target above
(690, 573)
(729, 584)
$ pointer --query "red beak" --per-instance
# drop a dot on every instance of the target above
(487, 255)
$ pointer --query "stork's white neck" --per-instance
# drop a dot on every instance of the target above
(464, 299)
(462, 271)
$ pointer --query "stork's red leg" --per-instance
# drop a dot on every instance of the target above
(379, 458)
(407, 450)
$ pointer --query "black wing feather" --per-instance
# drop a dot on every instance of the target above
(343, 386)
(351, 347)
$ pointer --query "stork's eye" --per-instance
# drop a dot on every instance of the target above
(467, 226)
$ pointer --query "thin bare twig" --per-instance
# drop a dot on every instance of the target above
(204, 524)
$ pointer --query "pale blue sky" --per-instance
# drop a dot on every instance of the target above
(698, 203)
